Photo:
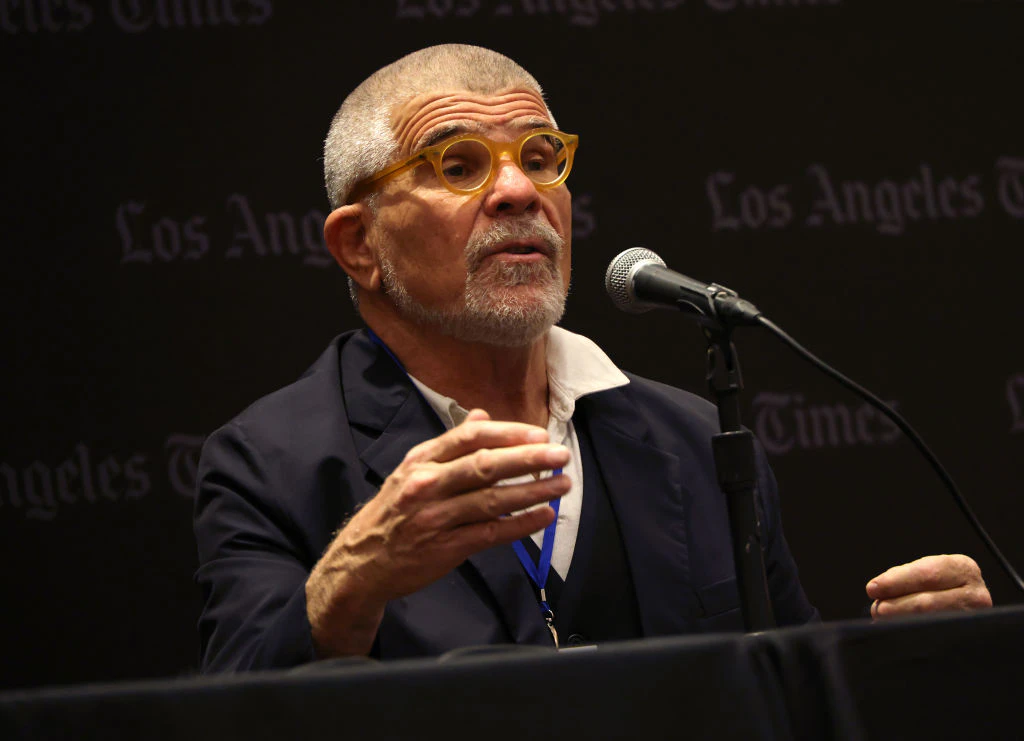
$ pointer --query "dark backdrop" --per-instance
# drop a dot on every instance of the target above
(857, 171)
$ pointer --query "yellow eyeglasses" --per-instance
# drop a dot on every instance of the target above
(466, 163)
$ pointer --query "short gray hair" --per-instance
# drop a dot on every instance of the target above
(360, 141)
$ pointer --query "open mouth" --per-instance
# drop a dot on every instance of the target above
(522, 249)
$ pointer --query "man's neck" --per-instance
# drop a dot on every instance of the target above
(509, 383)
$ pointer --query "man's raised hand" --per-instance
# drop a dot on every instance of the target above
(439, 506)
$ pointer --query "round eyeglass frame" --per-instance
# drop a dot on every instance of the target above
(434, 154)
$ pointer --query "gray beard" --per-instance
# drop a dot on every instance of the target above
(492, 313)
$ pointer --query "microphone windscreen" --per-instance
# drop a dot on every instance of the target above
(617, 278)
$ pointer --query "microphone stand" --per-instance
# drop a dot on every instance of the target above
(733, 450)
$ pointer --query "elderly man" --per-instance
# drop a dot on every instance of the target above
(462, 472)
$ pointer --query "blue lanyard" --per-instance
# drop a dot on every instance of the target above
(538, 572)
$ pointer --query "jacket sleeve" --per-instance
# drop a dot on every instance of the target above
(789, 603)
(253, 562)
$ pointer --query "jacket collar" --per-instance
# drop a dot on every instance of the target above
(388, 416)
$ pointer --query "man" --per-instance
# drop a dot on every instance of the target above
(395, 500)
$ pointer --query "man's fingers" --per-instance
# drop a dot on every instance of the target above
(970, 597)
(910, 604)
(500, 531)
(495, 501)
(477, 432)
(487, 466)
(928, 574)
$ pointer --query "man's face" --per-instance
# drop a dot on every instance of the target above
(491, 267)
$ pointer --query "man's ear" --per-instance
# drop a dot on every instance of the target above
(345, 234)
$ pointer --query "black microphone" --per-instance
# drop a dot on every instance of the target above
(638, 280)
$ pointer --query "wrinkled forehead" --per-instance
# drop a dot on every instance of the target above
(430, 117)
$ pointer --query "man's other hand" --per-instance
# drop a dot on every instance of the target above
(441, 505)
(929, 584)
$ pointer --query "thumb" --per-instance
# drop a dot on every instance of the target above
(476, 415)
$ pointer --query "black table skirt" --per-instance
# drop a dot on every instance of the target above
(950, 676)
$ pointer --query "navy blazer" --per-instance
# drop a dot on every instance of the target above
(278, 481)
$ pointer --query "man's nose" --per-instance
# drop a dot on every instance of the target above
(511, 192)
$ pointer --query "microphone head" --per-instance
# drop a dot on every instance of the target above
(618, 279)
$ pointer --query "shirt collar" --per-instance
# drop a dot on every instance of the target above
(577, 367)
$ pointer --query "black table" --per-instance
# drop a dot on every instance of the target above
(950, 676)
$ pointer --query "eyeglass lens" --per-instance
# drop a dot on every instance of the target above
(467, 164)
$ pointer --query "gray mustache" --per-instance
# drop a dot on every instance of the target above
(529, 228)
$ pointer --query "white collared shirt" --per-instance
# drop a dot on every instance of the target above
(576, 367)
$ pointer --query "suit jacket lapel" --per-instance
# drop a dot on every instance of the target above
(646, 489)
(388, 416)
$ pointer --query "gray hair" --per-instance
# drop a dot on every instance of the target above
(360, 141)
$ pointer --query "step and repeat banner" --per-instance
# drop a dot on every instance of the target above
(856, 171)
